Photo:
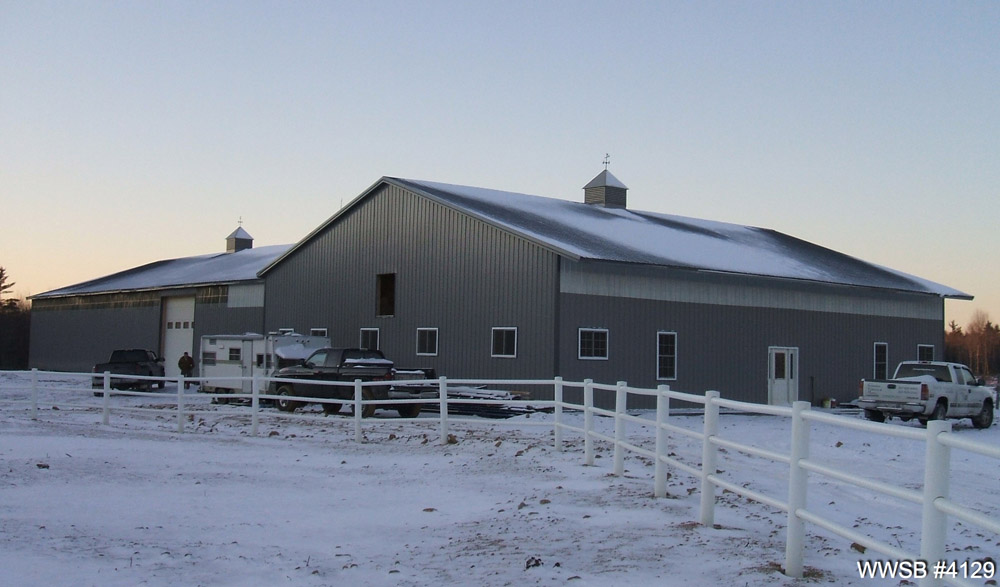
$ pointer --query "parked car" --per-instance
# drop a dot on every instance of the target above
(125, 364)
(346, 364)
(928, 390)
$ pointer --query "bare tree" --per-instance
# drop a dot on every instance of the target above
(980, 342)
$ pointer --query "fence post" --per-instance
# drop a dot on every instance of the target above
(708, 454)
(558, 397)
(180, 403)
(621, 399)
(254, 405)
(798, 485)
(588, 421)
(443, 393)
(937, 467)
(660, 468)
(358, 408)
(106, 400)
(34, 394)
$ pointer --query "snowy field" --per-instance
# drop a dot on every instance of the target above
(137, 503)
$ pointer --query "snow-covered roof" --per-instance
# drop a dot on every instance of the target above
(211, 269)
(605, 179)
(240, 234)
(582, 231)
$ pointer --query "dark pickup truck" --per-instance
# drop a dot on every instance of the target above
(126, 362)
(338, 364)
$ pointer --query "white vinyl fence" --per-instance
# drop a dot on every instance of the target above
(937, 508)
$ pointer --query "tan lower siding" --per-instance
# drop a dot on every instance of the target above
(743, 291)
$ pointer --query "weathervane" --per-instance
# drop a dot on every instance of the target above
(607, 161)
(241, 221)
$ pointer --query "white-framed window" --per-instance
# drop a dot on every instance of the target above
(369, 339)
(593, 344)
(235, 354)
(427, 342)
(925, 352)
(880, 360)
(504, 342)
(318, 332)
(208, 358)
(666, 356)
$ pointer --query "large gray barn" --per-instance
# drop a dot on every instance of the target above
(490, 284)
(164, 306)
(482, 283)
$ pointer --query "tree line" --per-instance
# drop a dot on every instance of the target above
(15, 327)
(977, 346)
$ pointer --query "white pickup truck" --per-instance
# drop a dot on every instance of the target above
(928, 390)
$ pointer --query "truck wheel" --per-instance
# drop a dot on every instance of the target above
(985, 417)
(409, 410)
(286, 405)
(875, 415)
(940, 411)
(367, 410)
(331, 409)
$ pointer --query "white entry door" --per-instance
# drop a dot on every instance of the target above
(783, 375)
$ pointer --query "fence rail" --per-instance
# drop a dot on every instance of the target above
(936, 507)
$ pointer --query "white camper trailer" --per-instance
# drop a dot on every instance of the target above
(236, 358)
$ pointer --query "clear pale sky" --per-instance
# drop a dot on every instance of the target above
(132, 132)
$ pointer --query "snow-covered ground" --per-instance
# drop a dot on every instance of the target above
(135, 502)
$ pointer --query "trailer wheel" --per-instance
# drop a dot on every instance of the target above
(331, 409)
(286, 405)
(875, 415)
(984, 419)
(409, 410)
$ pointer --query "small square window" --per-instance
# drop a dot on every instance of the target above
(317, 332)
(369, 339)
(427, 341)
(593, 343)
(504, 343)
(925, 352)
(235, 354)
(208, 358)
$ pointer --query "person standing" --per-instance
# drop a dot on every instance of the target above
(186, 365)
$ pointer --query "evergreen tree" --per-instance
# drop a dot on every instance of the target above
(15, 327)
(5, 290)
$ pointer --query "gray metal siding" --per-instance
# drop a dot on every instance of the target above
(726, 347)
(76, 339)
(453, 272)
(74, 333)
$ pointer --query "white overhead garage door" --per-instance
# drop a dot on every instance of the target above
(178, 331)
